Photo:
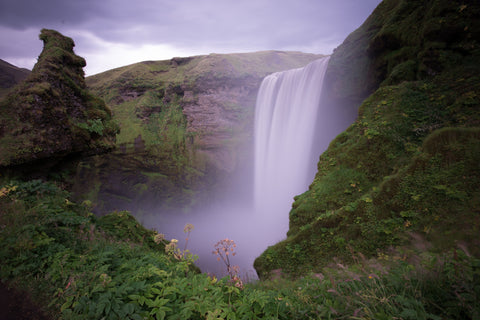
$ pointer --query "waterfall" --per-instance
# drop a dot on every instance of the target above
(289, 120)
(285, 119)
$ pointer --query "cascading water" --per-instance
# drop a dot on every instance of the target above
(286, 124)
(285, 120)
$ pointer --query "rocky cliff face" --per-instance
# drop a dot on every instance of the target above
(401, 41)
(51, 115)
(186, 127)
(407, 169)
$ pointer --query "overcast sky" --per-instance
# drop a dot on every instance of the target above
(114, 33)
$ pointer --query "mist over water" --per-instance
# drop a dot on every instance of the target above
(286, 117)
(217, 222)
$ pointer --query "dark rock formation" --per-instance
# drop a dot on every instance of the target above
(51, 115)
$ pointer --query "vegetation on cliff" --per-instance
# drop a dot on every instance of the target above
(51, 114)
(403, 179)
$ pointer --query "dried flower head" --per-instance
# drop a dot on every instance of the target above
(224, 249)
(188, 227)
(159, 237)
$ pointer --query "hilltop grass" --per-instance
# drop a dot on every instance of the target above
(165, 128)
(130, 125)
(185, 70)
(78, 266)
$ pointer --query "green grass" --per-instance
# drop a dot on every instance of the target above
(149, 72)
(130, 125)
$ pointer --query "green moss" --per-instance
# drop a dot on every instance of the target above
(402, 41)
(154, 174)
(130, 125)
(122, 226)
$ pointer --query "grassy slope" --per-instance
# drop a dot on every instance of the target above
(190, 68)
(406, 172)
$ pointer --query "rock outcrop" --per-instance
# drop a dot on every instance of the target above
(51, 115)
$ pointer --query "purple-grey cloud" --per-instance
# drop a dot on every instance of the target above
(185, 26)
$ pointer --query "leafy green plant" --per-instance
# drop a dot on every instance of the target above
(93, 126)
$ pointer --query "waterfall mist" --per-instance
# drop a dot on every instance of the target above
(292, 127)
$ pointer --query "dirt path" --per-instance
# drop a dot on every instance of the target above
(16, 305)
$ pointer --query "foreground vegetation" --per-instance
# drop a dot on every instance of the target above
(78, 266)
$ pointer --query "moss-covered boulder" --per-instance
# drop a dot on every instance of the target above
(51, 115)
(407, 169)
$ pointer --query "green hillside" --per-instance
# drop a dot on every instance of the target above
(405, 175)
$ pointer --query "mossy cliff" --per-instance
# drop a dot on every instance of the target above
(186, 128)
(405, 175)
(51, 115)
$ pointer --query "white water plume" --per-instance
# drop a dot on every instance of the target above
(286, 113)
